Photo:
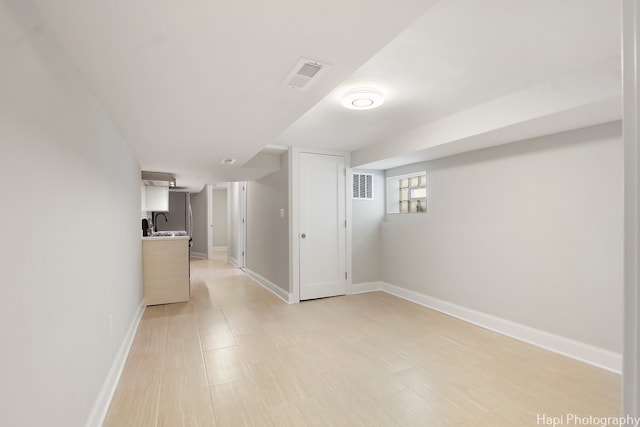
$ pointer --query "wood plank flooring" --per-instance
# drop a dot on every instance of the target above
(236, 355)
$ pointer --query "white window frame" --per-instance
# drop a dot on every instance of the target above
(393, 193)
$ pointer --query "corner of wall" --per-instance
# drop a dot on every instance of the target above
(592, 355)
(270, 286)
(103, 401)
(361, 288)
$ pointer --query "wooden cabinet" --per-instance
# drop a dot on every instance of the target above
(165, 269)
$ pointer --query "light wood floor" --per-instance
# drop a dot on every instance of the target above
(237, 355)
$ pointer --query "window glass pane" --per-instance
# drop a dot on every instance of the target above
(418, 193)
(407, 193)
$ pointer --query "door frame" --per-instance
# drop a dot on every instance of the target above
(240, 193)
(236, 223)
(209, 188)
(294, 223)
(242, 225)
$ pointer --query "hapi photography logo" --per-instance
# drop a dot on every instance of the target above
(590, 420)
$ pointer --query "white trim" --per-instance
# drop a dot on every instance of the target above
(220, 248)
(348, 213)
(631, 135)
(229, 210)
(198, 255)
(592, 355)
(232, 261)
(209, 199)
(361, 288)
(103, 401)
(242, 243)
(294, 226)
(269, 285)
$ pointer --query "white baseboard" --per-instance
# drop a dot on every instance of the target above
(232, 261)
(102, 403)
(592, 355)
(270, 286)
(219, 248)
(198, 255)
(577, 350)
(361, 288)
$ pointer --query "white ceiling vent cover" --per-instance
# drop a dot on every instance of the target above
(304, 73)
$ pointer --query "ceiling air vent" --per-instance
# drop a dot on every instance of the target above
(304, 73)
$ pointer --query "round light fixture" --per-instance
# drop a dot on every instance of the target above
(362, 98)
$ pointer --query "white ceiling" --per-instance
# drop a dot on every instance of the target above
(190, 83)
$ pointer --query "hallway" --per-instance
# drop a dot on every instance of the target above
(237, 355)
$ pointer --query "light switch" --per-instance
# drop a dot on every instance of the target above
(281, 213)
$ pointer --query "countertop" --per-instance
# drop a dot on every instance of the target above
(165, 237)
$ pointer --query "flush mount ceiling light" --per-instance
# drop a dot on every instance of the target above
(227, 161)
(362, 98)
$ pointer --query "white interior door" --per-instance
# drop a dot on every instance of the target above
(322, 226)
(236, 205)
(242, 225)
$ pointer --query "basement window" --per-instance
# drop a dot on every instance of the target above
(407, 194)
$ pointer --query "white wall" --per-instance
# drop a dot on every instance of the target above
(367, 217)
(72, 255)
(530, 232)
(267, 233)
(220, 230)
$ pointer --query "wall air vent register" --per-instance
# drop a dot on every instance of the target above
(363, 186)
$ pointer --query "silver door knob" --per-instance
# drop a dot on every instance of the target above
(303, 235)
